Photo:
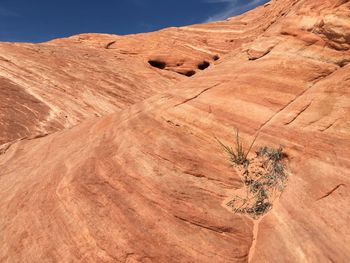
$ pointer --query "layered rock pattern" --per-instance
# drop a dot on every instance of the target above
(149, 183)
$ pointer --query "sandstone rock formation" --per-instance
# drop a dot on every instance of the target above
(108, 153)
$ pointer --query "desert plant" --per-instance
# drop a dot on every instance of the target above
(272, 154)
(238, 155)
(264, 181)
(275, 176)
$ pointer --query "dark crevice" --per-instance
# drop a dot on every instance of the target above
(331, 191)
(328, 126)
(298, 114)
(343, 63)
(216, 57)
(188, 73)
(36, 136)
(203, 65)
(217, 229)
(196, 96)
(110, 44)
(157, 64)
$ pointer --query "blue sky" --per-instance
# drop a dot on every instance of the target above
(42, 20)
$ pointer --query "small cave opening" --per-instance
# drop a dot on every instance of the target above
(203, 65)
(188, 73)
(216, 57)
(157, 64)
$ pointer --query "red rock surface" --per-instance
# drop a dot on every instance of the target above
(148, 183)
(91, 75)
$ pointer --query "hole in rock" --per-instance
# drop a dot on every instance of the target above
(216, 57)
(343, 63)
(203, 65)
(188, 73)
(157, 64)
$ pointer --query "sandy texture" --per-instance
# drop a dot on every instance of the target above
(148, 183)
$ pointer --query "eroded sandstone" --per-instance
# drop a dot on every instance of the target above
(147, 181)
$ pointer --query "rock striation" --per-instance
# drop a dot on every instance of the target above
(109, 154)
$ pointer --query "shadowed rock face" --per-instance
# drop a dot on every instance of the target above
(21, 113)
(148, 182)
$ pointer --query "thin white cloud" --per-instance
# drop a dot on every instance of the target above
(233, 7)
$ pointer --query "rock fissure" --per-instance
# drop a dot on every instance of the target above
(118, 180)
(331, 191)
(329, 125)
(199, 175)
(219, 230)
(293, 100)
(254, 241)
(110, 44)
(299, 113)
(196, 96)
